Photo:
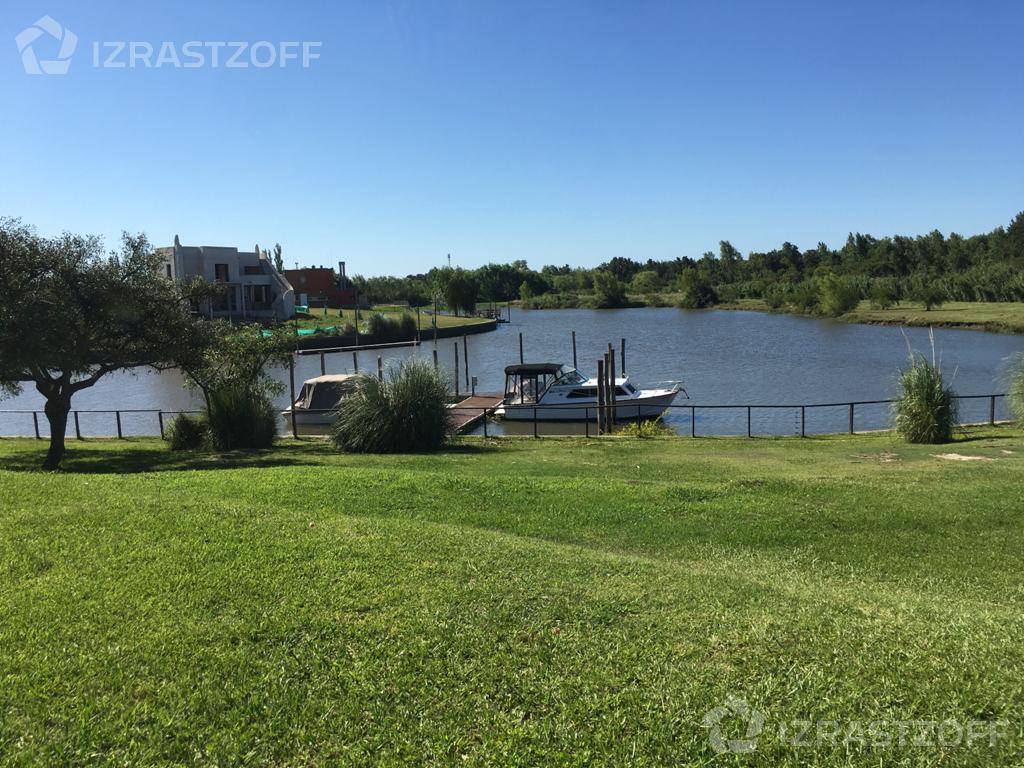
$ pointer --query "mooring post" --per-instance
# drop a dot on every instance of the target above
(456, 369)
(521, 347)
(323, 364)
(622, 356)
(417, 323)
(160, 418)
(992, 410)
(600, 396)
(78, 429)
(851, 418)
(117, 415)
(574, 349)
(613, 410)
(355, 362)
(465, 358)
(380, 368)
(35, 423)
(433, 320)
(435, 358)
(291, 382)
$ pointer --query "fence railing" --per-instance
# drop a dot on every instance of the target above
(624, 412)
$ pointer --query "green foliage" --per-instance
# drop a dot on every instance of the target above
(188, 433)
(460, 291)
(646, 281)
(837, 295)
(928, 292)
(525, 291)
(926, 410)
(697, 292)
(645, 428)
(407, 412)
(803, 297)
(240, 418)
(1015, 390)
(609, 292)
(386, 330)
(883, 293)
(775, 296)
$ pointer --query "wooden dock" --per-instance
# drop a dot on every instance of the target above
(469, 412)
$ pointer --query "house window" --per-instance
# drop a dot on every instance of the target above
(220, 273)
(253, 270)
(583, 393)
(260, 296)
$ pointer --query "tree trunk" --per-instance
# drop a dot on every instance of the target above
(56, 409)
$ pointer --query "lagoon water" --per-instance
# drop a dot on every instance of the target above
(721, 357)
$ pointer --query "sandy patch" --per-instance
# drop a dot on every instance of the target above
(883, 458)
(961, 457)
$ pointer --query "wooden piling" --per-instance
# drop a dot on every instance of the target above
(380, 368)
(355, 362)
(612, 409)
(600, 396)
(521, 347)
(323, 364)
(291, 381)
(456, 369)
(574, 349)
(622, 356)
(465, 358)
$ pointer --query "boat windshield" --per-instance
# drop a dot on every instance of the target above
(568, 375)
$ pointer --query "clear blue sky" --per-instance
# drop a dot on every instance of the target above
(556, 132)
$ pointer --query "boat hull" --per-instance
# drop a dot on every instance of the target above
(305, 417)
(626, 410)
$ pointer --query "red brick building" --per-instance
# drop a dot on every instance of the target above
(314, 285)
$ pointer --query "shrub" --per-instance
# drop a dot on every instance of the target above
(929, 293)
(926, 410)
(187, 433)
(608, 290)
(406, 412)
(774, 296)
(645, 428)
(803, 297)
(697, 292)
(386, 329)
(883, 293)
(241, 418)
(1015, 391)
(837, 296)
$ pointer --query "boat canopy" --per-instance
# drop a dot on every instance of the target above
(532, 369)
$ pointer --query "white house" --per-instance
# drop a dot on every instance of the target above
(254, 289)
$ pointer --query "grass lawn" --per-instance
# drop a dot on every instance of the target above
(995, 316)
(522, 602)
(340, 317)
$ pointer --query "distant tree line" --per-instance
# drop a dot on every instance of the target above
(930, 269)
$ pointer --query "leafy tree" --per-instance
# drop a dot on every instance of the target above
(278, 258)
(525, 291)
(928, 292)
(608, 290)
(837, 295)
(460, 292)
(646, 281)
(883, 293)
(70, 316)
(697, 292)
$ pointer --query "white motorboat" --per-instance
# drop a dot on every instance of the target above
(556, 392)
(319, 398)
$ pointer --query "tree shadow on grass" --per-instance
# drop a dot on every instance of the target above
(82, 459)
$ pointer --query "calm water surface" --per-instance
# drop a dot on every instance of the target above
(721, 357)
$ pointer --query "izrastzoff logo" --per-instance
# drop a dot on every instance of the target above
(46, 48)
(738, 728)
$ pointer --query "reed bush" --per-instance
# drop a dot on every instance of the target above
(406, 412)
(386, 329)
(241, 418)
(926, 410)
(188, 433)
(1015, 389)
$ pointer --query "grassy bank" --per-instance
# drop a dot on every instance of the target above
(535, 602)
(338, 318)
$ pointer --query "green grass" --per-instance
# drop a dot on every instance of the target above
(340, 317)
(995, 316)
(550, 602)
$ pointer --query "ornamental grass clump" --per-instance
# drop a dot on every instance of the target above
(926, 410)
(406, 412)
(240, 418)
(1015, 390)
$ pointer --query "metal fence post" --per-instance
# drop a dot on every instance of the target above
(160, 419)
(803, 421)
(586, 422)
(535, 421)
(992, 410)
(485, 422)
(693, 421)
(748, 421)
(78, 428)
(117, 415)
(323, 365)
(851, 418)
